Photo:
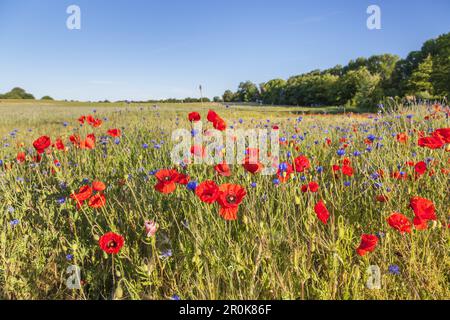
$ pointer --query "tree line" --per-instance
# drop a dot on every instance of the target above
(364, 82)
(19, 93)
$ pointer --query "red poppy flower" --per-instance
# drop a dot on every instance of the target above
(194, 117)
(301, 164)
(399, 222)
(42, 143)
(312, 186)
(431, 142)
(21, 157)
(219, 124)
(423, 208)
(420, 167)
(410, 163)
(75, 139)
(94, 122)
(98, 186)
(97, 201)
(368, 244)
(230, 196)
(420, 224)
(183, 179)
(402, 137)
(111, 242)
(223, 169)
(252, 167)
(443, 134)
(212, 116)
(347, 170)
(336, 168)
(207, 191)
(166, 180)
(89, 142)
(322, 212)
(82, 119)
(59, 144)
(83, 194)
(114, 133)
(381, 198)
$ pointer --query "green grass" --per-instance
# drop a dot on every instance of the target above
(277, 249)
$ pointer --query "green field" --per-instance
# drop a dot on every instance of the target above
(276, 249)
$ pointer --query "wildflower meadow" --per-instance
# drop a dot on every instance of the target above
(94, 207)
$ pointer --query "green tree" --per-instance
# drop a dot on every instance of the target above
(228, 96)
(440, 76)
(360, 88)
(47, 98)
(273, 91)
(18, 93)
(420, 80)
(247, 92)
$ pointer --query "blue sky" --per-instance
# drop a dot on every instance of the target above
(138, 49)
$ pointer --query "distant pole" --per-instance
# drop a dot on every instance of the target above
(201, 94)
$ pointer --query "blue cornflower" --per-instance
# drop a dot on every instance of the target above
(69, 257)
(192, 185)
(375, 175)
(394, 269)
(166, 253)
(283, 166)
(253, 184)
(14, 222)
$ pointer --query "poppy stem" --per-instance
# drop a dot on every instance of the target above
(113, 277)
